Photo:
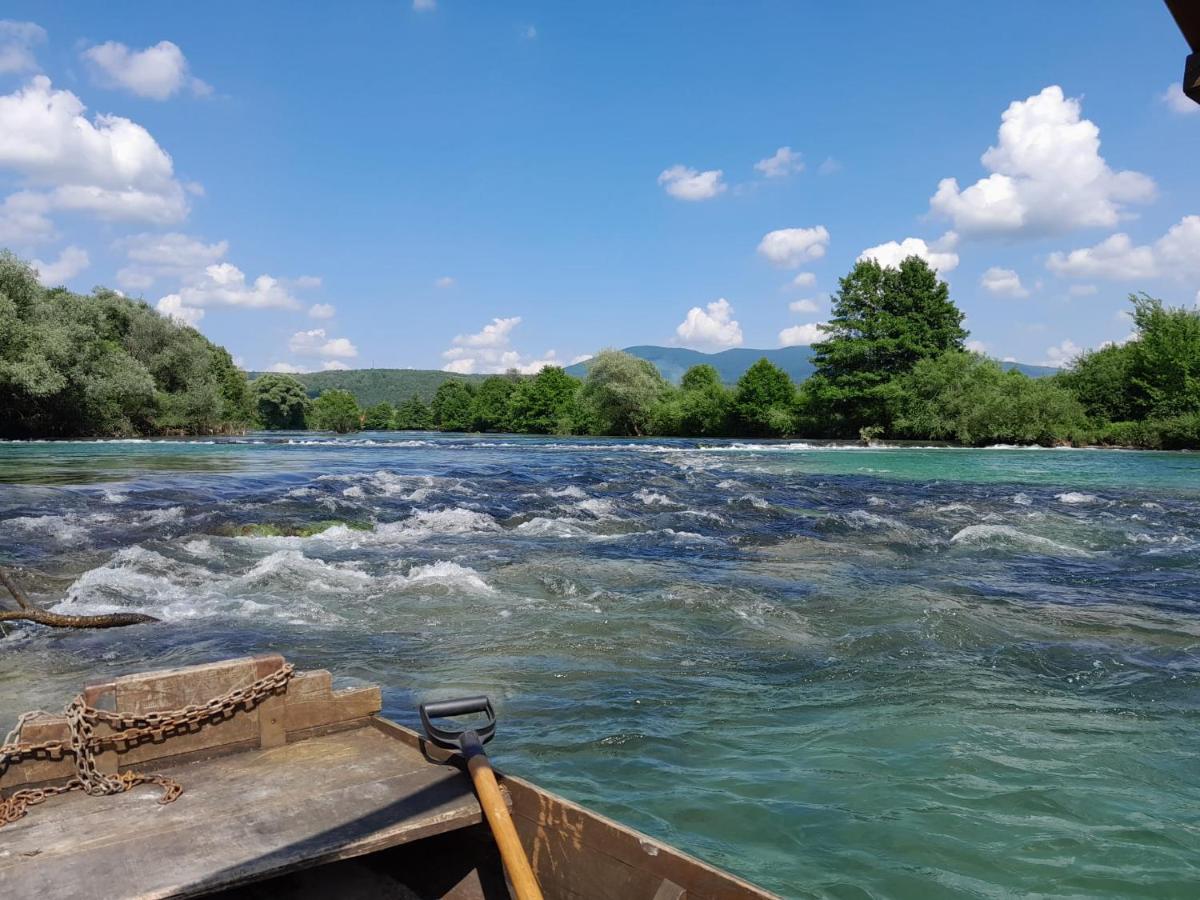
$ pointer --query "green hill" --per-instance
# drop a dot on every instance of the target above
(672, 362)
(371, 386)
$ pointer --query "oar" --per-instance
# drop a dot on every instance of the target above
(469, 742)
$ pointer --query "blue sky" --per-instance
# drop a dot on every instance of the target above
(479, 185)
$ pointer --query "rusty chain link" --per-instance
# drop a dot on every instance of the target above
(129, 730)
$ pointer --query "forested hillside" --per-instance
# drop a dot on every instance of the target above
(731, 365)
(101, 365)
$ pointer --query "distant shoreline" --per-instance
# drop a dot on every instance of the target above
(813, 443)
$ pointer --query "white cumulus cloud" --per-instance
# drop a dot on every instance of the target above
(494, 334)
(108, 166)
(1063, 354)
(802, 335)
(70, 263)
(424, 5)
(1177, 101)
(712, 326)
(977, 347)
(284, 368)
(783, 161)
(316, 342)
(940, 254)
(1175, 255)
(1047, 175)
(490, 350)
(321, 311)
(688, 184)
(804, 279)
(17, 40)
(157, 72)
(333, 365)
(803, 306)
(1003, 283)
(791, 247)
(224, 284)
(24, 220)
(168, 255)
(172, 307)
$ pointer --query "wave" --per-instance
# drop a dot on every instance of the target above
(1075, 498)
(1007, 537)
(599, 508)
(653, 498)
(77, 527)
(550, 527)
(449, 575)
(309, 573)
(285, 584)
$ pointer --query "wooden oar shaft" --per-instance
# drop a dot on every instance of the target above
(520, 873)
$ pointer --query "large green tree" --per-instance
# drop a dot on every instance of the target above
(1164, 360)
(1100, 380)
(280, 401)
(453, 406)
(336, 411)
(969, 399)
(885, 320)
(491, 410)
(705, 405)
(413, 415)
(764, 400)
(621, 391)
(379, 417)
(546, 403)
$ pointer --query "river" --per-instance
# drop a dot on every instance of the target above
(838, 672)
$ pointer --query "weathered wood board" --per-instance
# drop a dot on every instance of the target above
(242, 817)
(580, 855)
(309, 705)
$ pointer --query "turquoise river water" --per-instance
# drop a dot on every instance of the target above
(839, 672)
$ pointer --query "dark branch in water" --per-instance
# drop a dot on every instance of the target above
(29, 613)
(18, 594)
(55, 620)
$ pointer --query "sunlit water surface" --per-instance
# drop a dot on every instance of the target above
(838, 672)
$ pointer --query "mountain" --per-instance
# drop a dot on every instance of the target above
(730, 364)
(371, 386)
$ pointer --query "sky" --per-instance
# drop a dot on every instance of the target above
(479, 186)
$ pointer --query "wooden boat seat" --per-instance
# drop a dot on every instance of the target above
(330, 785)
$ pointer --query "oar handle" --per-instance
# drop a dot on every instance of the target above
(516, 863)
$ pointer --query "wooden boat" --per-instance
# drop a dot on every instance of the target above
(304, 792)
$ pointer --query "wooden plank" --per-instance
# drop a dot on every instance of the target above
(309, 706)
(41, 729)
(579, 854)
(242, 817)
(301, 713)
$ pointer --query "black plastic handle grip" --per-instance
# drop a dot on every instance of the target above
(459, 707)
(452, 739)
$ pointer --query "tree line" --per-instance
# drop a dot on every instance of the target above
(105, 366)
(893, 365)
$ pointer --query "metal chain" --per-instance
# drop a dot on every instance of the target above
(130, 730)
